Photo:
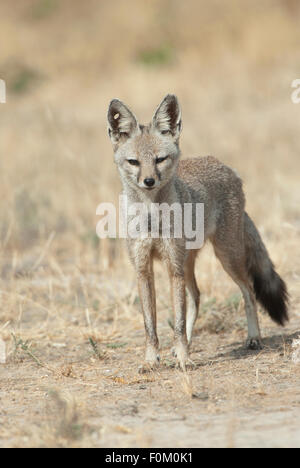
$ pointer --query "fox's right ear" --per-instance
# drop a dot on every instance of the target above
(122, 124)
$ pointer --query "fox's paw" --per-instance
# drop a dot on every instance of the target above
(152, 360)
(180, 352)
(148, 366)
(254, 343)
(188, 364)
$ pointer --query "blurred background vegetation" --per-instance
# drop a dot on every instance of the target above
(230, 63)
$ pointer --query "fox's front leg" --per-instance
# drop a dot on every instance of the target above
(179, 304)
(147, 298)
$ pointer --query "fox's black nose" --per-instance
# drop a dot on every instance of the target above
(149, 182)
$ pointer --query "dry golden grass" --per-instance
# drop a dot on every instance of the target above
(231, 65)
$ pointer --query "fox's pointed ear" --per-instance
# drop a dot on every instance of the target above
(167, 118)
(122, 124)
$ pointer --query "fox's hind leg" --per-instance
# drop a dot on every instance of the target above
(193, 294)
(232, 255)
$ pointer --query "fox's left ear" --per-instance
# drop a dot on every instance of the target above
(167, 118)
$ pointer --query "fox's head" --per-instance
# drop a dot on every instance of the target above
(146, 156)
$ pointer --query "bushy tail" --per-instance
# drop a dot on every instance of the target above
(270, 289)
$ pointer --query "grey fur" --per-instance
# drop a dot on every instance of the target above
(206, 180)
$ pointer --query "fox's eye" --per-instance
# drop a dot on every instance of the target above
(133, 162)
(160, 160)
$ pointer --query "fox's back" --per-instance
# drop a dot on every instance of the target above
(210, 178)
(217, 186)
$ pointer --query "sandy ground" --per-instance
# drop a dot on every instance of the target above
(63, 395)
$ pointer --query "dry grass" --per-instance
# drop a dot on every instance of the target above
(62, 289)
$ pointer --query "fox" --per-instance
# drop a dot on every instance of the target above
(151, 171)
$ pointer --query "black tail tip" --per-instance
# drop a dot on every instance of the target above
(272, 294)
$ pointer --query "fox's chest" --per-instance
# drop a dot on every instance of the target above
(169, 250)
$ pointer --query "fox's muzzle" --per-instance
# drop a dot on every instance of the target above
(149, 182)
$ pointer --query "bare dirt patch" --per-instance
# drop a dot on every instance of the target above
(59, 390)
